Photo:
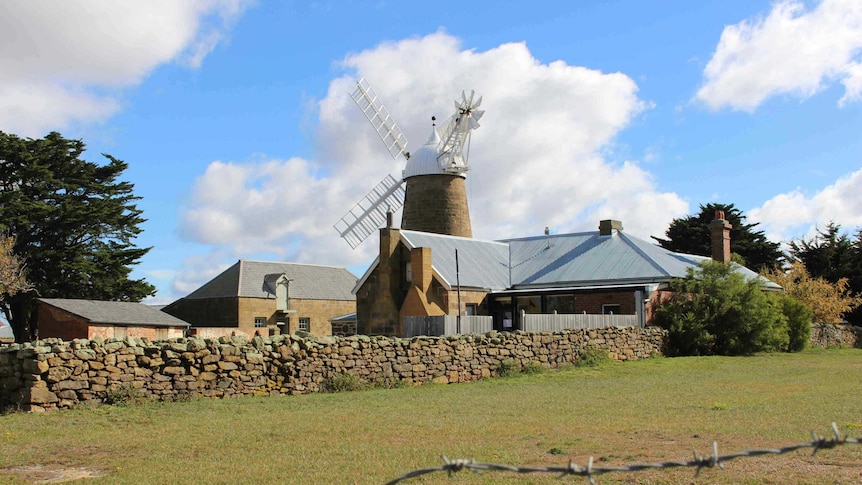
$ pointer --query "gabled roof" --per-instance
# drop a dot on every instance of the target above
(578, 260)
(115, 312)
(481, 264)
(590, 259)
(256, 279)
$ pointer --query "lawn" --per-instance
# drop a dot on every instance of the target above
(646, 411)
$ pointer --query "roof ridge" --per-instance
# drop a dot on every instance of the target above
(292, 262)
(543, 236)
(630, 240)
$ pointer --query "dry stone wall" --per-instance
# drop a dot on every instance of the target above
(50, 374)
(829, 335)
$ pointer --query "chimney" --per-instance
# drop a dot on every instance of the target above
(720, 236)
(420, 262)
(607, 227)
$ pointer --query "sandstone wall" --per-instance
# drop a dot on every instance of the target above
(828, 335)
(50, 374)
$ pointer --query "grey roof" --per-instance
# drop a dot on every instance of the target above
(481, 264)
(256, 279)
(588, 258)
(115, 312)
(578, 260)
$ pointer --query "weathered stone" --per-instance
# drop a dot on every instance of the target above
(32, 366)
(174, 371)
(228, 366)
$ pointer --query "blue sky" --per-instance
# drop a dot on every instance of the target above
(242, 141)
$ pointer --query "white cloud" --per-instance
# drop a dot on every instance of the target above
(790, 51)
(536, 160)
(68, 61)
(793, 215)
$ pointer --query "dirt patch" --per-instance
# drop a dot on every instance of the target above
(51, 473)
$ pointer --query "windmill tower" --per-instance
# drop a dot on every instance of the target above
(431, 189)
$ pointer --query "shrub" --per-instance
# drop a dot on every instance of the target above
(124, 395)
(715, 310)
(593, 358)
(342, 383)
(799, 318)
(508, 368)
(533, 368)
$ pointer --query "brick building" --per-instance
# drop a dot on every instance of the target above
(70, 319)
(596, 272)
(268, 297)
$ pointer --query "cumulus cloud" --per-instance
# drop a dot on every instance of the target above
(794, 214)
(791, 51)
(536, 160)
(68, 61)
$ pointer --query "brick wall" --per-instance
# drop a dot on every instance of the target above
(51, 374)
(438, 204)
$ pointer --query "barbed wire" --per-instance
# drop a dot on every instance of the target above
(589, 471)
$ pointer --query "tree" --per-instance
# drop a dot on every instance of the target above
(691, 235)
(829, 302)
(715, 311)
(833, 256)
(73, 222)
(12, 279)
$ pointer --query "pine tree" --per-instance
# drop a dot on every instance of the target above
(74, 223)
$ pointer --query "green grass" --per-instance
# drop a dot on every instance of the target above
(653, 410)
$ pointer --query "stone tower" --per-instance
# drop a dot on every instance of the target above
(436, 198)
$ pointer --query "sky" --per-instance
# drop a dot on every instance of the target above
(242, 140)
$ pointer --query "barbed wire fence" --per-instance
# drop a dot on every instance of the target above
(589, 471)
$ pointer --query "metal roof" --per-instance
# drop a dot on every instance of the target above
(115, 312)
(256, 279)
(589, 258)
(481, 264)
(577, 261)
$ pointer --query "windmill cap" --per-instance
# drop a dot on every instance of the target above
(424, 160)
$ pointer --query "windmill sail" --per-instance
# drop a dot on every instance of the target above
(369, 214)
(378, 115)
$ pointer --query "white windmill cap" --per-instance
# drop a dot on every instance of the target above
(424, 160)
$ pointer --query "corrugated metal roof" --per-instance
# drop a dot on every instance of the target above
(589, 259)
(481, 264)
(256, 279)
(116, 312)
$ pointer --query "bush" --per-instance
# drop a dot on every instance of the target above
(124, 395)
(799, 318)
(716, 311)
(593, 358)
(508, 368)
(533, 368)
(342, 383)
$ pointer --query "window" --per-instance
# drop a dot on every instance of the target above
(610, 309)
(472, 309)
(259, 322)
(304, 324)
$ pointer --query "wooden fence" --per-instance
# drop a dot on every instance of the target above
(446, 325)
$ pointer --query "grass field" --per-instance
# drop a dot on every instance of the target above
(647, 411)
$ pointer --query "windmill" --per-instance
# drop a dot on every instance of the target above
(431, 188)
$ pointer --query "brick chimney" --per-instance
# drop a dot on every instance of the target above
(607, 227)
(719, 230)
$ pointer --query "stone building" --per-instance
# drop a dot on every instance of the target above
(595, 272)
(70, 319)
(268, 298)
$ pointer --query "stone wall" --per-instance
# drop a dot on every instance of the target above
(51, 374)
(828, 335)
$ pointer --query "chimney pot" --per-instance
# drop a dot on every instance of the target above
(607, 227)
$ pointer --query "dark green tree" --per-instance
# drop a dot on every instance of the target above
(73, 222)
(691, 235)
(832, 255)
(714, 310)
